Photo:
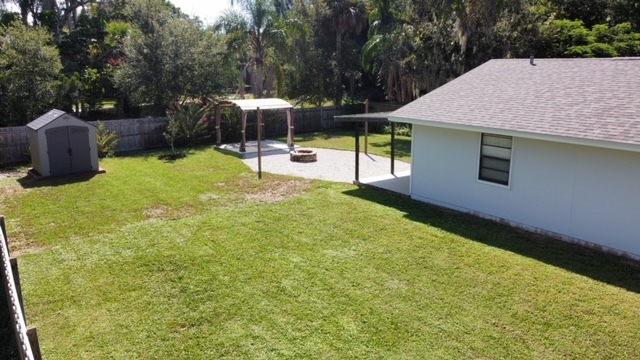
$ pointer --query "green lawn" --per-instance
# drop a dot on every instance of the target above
(198, 259)
(379, 144)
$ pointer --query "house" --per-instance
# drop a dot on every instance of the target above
(62, 144)
(551, 146)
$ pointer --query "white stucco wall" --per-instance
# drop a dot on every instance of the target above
(585, 193)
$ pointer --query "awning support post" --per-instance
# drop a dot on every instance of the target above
(259, 116)
(366, 128)
(290, 118)
(393, 147)
(218, 120)
(243, 140)
(357, 151)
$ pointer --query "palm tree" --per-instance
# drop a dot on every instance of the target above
(345, 17)
(261, 29)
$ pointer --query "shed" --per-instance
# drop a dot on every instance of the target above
(62, 144)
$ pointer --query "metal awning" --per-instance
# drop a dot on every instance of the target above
(381, 117)
(370, 117)
(262, 104)
(258, 105)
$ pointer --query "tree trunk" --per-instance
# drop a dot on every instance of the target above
(257, 81)
(338, 80)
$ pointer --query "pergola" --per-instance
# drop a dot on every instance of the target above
(258, 105)
(381, 117)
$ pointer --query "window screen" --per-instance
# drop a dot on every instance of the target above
(495, 158)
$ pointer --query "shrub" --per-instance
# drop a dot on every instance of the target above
(107, 141)
(187, 121)
(171, 134)
(401, 129)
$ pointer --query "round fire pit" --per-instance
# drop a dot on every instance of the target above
(303, 155)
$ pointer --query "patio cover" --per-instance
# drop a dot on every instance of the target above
(381, 117)
(255, 105)
(263, 104)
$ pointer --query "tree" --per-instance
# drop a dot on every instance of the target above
(342, 18)
(258, 25)
(29, 68)
(389, 51)
(168, 57)
(309, 77)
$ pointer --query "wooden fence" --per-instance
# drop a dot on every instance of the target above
(18, 341)
(137, 134)
(14, 145)
(147, 133)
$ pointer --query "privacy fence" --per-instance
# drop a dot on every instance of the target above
(147, 133)
(16, 340)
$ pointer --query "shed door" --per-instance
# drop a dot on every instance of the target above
(58, 150)
(68, 149)
(80, 149)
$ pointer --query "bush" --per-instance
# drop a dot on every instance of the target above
(107, 141)
(187, 121)
(401, 129)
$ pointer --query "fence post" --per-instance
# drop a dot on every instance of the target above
(9, 270)
(32, 335)
(16, 281)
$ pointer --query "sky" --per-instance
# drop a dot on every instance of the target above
(207, 10)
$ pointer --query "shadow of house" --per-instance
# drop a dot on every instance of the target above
(607, 268)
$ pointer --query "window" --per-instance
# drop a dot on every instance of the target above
(495, 158)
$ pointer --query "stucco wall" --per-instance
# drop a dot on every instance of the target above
(580, 192)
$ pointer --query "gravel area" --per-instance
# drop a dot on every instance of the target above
(332, 165)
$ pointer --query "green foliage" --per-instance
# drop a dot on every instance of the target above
(252, 34)
(401, 129)
(187, 121)
(107, 141)
(573, 39)
(168, 57)
(172, 133)
(29, 67)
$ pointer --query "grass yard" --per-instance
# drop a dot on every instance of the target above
(379, 144)
(198, 259)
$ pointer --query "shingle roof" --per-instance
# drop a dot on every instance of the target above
(573, 100)
(45, 119)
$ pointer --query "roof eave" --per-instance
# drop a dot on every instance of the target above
(522, 134)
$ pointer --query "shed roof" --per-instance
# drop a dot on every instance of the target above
(263, 104)
(45, 119)
(585, 101)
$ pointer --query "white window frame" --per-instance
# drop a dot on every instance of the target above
(481, 156)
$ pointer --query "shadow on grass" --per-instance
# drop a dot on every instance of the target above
(614, 270)
(163, 154)
(29, 182)
(403, 147)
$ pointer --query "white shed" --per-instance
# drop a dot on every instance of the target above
(62, 144)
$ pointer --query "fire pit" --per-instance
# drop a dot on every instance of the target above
(303, 155)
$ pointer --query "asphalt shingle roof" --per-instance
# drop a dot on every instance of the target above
(45, 119)
(584, 99)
